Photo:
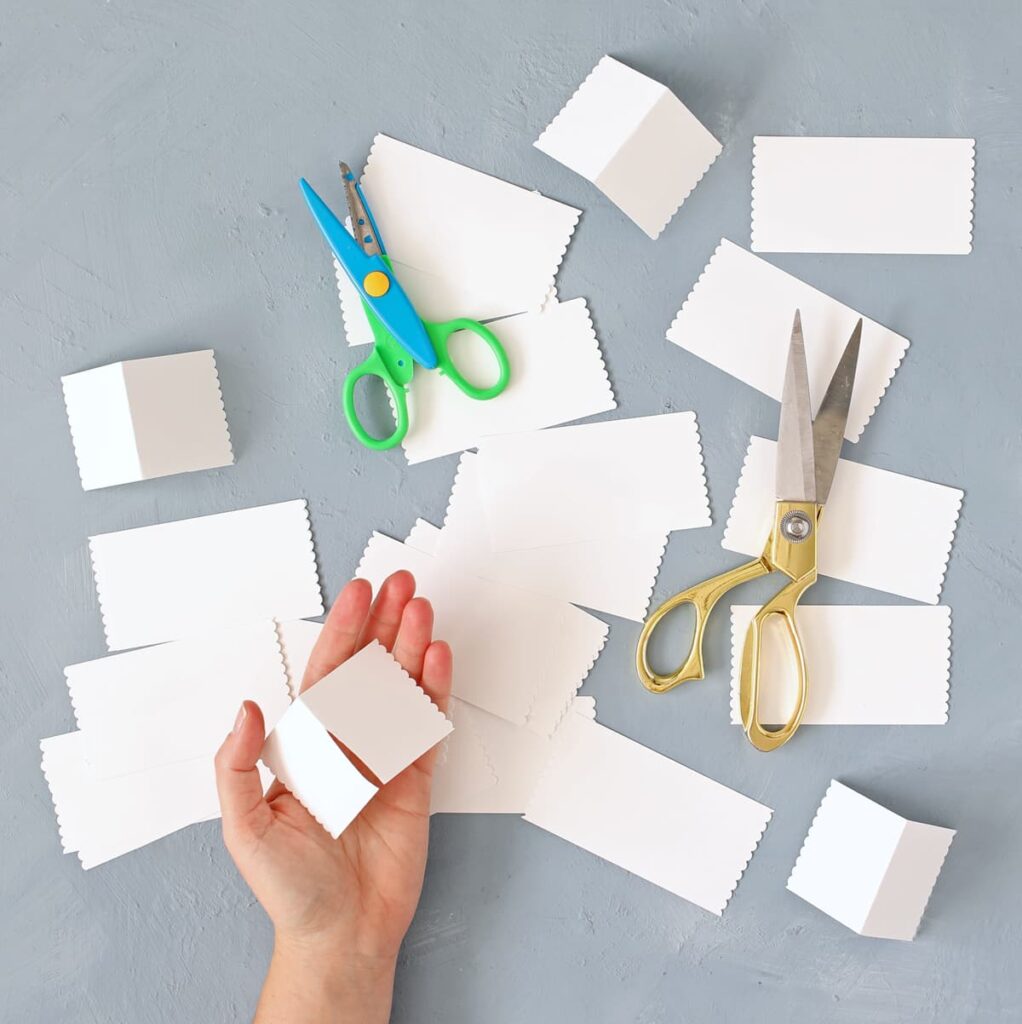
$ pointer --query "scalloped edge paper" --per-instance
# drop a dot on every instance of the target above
(646, 813)
(634, 140)
(185, 578)
(868, 665)
(880, 529)
(145, 418)
(464, 243)
(738, 318)
(591, 481)
(862, 195)
(867, 867)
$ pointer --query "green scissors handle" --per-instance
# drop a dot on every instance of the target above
(439, 335)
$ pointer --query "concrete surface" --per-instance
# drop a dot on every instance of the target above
(148, 159)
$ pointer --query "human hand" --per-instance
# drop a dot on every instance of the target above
(339, 908)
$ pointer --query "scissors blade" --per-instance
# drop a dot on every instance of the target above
(796, 461)
(829, 426)
(363, 227)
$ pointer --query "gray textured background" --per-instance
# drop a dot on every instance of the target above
(148, 162)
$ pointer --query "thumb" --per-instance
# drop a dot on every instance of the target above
(237, 779)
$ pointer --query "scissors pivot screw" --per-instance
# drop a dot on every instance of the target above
(796, 526)
(376, 283)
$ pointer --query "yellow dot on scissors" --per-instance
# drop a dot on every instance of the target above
(376, 283)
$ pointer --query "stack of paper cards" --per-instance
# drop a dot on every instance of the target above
(147, 418)
(867, 867)
(634, 140)
(371, 706)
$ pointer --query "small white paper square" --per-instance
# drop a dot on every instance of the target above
(146, 418)
(867, 867)
(633, 139)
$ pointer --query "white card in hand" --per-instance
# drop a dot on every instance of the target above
(619, 478)
(614, 575)
(297, 639)
(634, 140)
(173, 580)
(749, 338)
(868, 665)
(879, 529)
(867, 867)
(862, 195)
(175, 701)
(646, 813)
(463, 243)
(146, 418)
(557, 375)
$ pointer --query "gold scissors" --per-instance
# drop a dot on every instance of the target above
(807, 456)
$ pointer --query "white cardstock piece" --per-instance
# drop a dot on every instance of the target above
(614, 575)
(867, 867)
(463, 243)
(879, 529)
(463, 771)
(749, 338)
(557, 375)
(297, 639)
(173, 580)
(862, 195)
(146, 418)
(634, 140)
(868, 665)
(593, 481)
(532, 681)
(647, 813)
(175, 701)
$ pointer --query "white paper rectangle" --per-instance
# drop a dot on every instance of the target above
(594, 481)
(147, 418)
(463, 771)
(738, 317)
(297, 639)
(173, 580)
(175, 701)
(614, 575)
(647, 813)
(546, 648)
(633, 139)
(868, 665)
(862, 195)
(557, 375)
(867, 867)
(464, 243)
(879, 529)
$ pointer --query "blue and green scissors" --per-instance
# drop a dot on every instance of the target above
(401, 337)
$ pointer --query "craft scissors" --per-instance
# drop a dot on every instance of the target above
(401, 337)
(807, 456)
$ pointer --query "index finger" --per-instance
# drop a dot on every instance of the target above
(340, 632)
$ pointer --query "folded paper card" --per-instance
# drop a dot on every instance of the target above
(557, 375)
(174, 701)
(615, 574)
(532, 681)
(173, 580)
(880, 529)
(371, 705)
(862, 195)
(145, 418)
(634, 140)
(646, 813)
(867, 867)
(749, 338)
(594, 481)
(868, 665)
(464, 243)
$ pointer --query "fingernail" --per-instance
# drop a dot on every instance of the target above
(242, 712)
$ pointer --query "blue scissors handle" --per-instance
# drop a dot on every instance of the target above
(440, 334)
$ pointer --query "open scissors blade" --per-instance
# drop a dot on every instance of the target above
(808, 450)
(363, 227)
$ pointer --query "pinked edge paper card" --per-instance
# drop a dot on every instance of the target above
(868, 665)
(880, 529)
(867, 867)
(749, 339)
(634, 140)
(862, 195)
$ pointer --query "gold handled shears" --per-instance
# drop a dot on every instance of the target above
(807, 456)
